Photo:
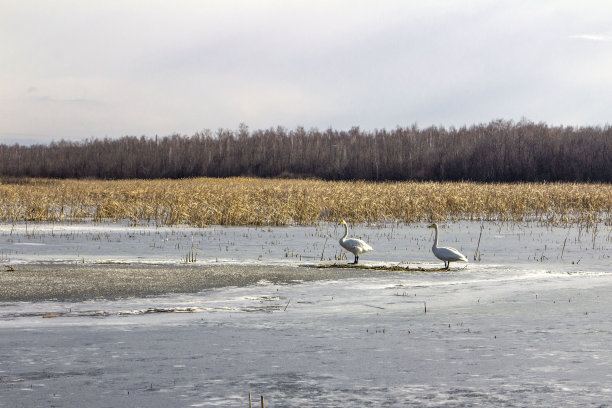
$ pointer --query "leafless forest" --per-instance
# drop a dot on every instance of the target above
(499, 151)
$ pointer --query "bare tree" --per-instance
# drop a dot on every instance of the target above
(501, 151)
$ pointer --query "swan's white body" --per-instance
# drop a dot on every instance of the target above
(446, 254)
(354, 245)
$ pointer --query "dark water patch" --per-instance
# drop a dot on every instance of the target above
(391, 268)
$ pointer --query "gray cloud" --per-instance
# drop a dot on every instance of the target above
(82, 69)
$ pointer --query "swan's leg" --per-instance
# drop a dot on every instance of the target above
(356, 260)
(446, 265)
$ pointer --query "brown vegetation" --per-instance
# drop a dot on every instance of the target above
(248, 201)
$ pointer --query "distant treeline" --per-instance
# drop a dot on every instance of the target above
(500, 151)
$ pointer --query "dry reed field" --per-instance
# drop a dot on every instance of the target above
(249, 201)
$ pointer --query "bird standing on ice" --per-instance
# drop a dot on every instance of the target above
(446, 254)
(354, 245)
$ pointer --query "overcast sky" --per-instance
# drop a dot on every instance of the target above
(93, 69)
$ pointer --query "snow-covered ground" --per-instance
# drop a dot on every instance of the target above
(528, 324)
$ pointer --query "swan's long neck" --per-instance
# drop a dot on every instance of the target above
(345, 233)
(435, 245)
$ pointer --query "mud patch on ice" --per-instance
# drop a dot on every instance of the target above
(40, 282)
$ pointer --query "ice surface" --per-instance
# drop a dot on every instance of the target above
(519, 244)
(524, 326)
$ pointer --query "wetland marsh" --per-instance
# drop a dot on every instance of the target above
(131, 293)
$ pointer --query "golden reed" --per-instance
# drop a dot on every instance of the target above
(251, 201)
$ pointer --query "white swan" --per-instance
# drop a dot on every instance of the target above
(354, 245)
(446, 254)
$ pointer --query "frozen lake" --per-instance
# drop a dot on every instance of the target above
(528, 324)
